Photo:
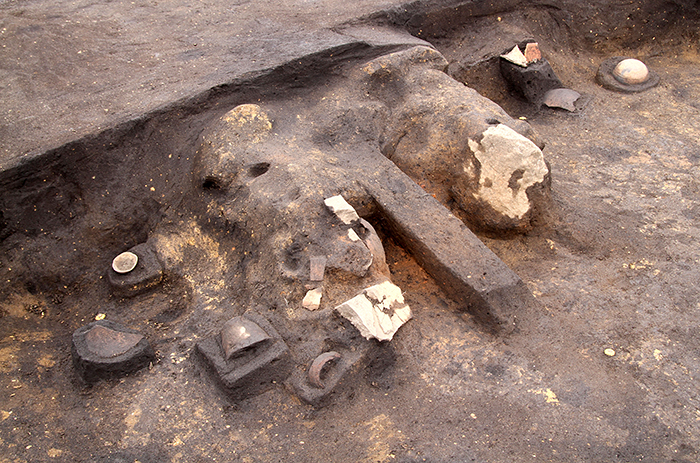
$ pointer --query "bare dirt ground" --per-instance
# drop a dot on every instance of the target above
(614, 266)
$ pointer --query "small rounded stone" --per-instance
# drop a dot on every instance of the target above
(631, 72)
(125, 262)
(609, 352)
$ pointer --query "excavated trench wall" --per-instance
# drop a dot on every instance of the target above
(66, 212)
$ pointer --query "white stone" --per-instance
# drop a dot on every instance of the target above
(378, 312)
(501, 153)
(344, 211)
(312, 300)
(353, 235)
(516, 56)
(125, 262)
(631, 71)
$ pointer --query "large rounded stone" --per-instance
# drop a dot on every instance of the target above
(609, 70)
(631, 71)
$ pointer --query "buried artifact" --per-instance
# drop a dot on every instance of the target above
(295, 189)
(306, 191)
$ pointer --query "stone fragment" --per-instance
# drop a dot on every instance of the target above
(312, 300)
(104, 349)
(125, 262)
(349, 255)
(510, 164)
(516, 56)
(344, 211)
(318, 267)
(562, 98)
(631, 71)
(378, 312)
(147, 273)
(249, 370)
(532, 52)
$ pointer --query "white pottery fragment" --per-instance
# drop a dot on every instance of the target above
(312, 300)
(378, 312)
(516, 56)
(344, 211)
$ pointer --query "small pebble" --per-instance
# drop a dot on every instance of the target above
(631, 71)
(125, 262)
(609, 352)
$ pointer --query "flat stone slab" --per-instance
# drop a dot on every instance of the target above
(466, 269)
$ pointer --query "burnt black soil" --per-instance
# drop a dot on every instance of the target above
(614, 266)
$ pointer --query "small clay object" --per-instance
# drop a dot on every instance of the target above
(317, 367)
(247, 357)
(104, 349)
(125, 262)
(108, 343)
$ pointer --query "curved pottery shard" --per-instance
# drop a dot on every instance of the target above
(562, 98)
(107, 343)
(240, 335)
(318, 365)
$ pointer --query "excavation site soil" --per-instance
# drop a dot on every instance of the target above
(602, 366)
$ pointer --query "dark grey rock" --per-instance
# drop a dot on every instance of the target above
(531, 82)
(104, 349)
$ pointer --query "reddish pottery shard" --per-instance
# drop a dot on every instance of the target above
(532, 52)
